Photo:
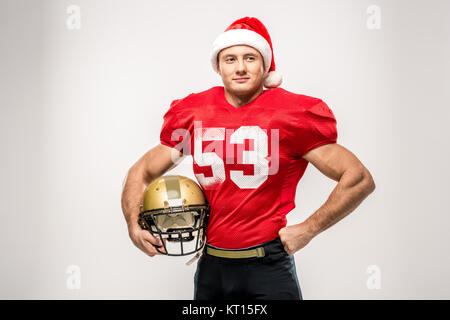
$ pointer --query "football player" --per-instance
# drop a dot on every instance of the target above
(250, 147)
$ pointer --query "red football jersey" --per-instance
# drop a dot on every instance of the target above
(248, 159)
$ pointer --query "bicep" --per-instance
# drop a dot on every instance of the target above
(333, 160)
(157, 161)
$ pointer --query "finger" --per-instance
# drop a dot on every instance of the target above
(281, 233)
(162, 248)
(152, 239)
(149, 249)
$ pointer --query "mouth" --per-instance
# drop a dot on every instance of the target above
(241, 80)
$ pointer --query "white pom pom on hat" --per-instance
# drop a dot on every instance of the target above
(249, 31)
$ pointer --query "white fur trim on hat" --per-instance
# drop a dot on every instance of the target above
(245, 37)
(273, 80)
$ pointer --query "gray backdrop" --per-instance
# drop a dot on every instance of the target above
(84, 86)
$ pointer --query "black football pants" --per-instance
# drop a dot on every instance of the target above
(272, 277)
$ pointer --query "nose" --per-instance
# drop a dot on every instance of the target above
(242, 67)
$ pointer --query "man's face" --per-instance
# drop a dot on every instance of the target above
(241, 61)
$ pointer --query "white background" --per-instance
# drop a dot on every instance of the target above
(79, 107)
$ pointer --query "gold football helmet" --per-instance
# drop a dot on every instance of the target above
(175, 209)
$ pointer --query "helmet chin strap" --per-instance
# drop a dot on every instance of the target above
(197, 255)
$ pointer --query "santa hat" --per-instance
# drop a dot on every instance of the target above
(251, 32)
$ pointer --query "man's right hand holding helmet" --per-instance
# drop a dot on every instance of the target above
(152, 164)
(144, 240)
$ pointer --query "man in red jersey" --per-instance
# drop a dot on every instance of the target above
(250, 148)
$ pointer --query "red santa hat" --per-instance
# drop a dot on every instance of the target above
(251, 32)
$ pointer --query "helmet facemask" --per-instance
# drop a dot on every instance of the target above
(177, 228)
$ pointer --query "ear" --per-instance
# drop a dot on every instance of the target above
(265, 73)
(218, 63)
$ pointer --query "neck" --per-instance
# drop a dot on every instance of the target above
(240, 100)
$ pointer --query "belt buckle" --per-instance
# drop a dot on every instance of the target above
(260, 252)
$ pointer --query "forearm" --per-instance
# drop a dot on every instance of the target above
(132, 193)
(353, 187)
